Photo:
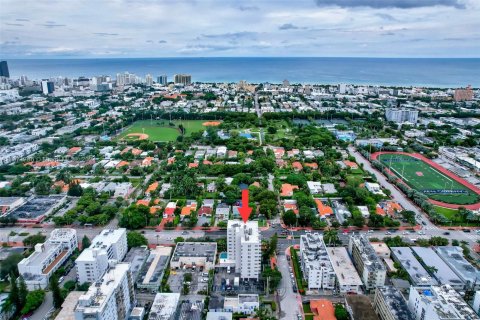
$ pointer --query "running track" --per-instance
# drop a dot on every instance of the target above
(449, 174)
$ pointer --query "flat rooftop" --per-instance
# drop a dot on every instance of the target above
(444, 274)
(136, 257)
(213, 315)
(156, 263)
(68, 306)
(453, 256)
(315, 251)
(370, 258)
(395, 302)
(446, 302)
(36, 206)
(164, 306)
(99, 292)
(417, 273)
(249, 230)
(195, 249)
(343, 266)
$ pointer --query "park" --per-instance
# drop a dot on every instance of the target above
(164, 130)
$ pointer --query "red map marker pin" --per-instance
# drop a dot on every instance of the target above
(245, 210)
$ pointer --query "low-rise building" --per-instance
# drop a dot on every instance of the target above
(439, 269)
(417, 273)
(453, 257)
(151, 275)
(368, 264)
(439, 303)
(165, 306)
(243, 303)
(316, 266)
(219, 315)
(198, 254)
(110, 298)
(390, 304)
(37, 268)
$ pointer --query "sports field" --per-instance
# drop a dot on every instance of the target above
(160, 130)
(428, 180)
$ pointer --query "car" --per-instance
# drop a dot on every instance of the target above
(405, 233)
(387, 233)
(60, 279)
(446, 233)
(466, 230)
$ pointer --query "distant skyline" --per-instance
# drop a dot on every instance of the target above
(207, 28)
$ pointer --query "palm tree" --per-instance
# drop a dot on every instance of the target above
(330, 236)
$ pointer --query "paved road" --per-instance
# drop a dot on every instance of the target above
(257, 106)
(288, 299)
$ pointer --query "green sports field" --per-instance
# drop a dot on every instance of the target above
(422, 177)
(159, 130)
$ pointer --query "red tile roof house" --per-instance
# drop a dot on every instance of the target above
(205, 211)
(169, 211)
(311, 165)
(350, 164)
(287, 190)
(297, 166)
(73, 150)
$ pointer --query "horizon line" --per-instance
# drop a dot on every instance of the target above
(236, 57)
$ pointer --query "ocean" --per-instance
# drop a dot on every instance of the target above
(428, 72)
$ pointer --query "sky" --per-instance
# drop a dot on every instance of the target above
(229, 28)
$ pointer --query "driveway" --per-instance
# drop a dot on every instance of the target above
(43, 310)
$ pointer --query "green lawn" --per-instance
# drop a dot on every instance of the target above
(446, 212)
(422, 177)
(159, 130)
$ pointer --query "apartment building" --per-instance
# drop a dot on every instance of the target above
(401, 115)
(47, 258)
(244, 247)
(93, 262)
(110, 298)
(390, 304)
(439, 303)
(347, 278)
(316, 266)
(368, 264)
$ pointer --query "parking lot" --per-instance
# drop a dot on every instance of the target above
(176, 278)
(224, 283)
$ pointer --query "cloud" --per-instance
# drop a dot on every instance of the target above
(149, 41)
(105, 34)
(162, 41)
(14, 24)
(248, 8)
(22, 19)
(386, 16)
(288, 26)
(206, 47)
(402, 4)
(230, 35)
(52, 24)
